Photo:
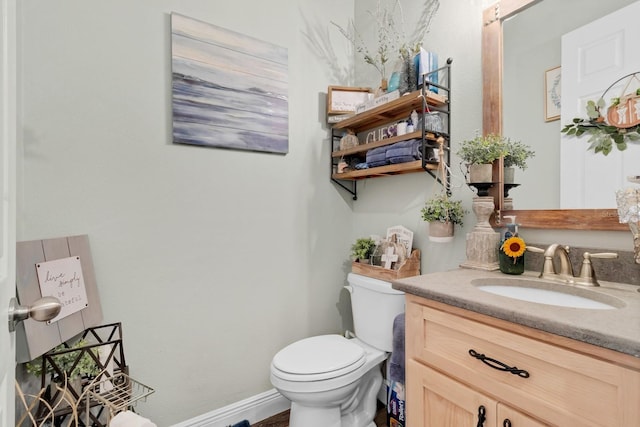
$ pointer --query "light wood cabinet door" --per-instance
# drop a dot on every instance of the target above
(509, 417)
(563, 386)
(435, 400)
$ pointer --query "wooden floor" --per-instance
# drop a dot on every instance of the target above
(282, 419)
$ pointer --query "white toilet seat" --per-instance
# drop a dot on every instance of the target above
(318, 358)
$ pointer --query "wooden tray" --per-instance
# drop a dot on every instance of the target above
(411, 267)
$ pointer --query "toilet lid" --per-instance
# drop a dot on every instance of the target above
(320, 355)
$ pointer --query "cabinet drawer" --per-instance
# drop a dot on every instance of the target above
(567, 387)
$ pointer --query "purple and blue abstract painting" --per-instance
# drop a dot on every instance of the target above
(229, 90)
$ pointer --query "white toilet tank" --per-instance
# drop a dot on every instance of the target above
(374, 304)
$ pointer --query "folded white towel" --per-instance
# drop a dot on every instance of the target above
(130, 419)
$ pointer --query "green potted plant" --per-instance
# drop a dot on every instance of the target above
(516, 157)
(362, 249)
(479, 154)
(75, 366)
(442, 214)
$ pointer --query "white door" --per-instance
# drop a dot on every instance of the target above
(8, 206)
(593, 57)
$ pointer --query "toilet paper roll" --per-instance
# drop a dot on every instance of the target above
(130, 419)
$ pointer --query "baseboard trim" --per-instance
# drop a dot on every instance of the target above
(252, 409)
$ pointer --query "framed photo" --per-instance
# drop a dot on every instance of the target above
(343, 99)
(552, 81)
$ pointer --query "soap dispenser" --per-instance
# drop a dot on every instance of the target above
(512, 249)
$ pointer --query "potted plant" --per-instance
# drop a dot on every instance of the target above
(479, 154)
(76, 366)
(362, 249)
(516, 157)
(442, 214)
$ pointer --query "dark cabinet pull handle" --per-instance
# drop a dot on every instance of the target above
(506, 422)
(481, 416)
(496, 364)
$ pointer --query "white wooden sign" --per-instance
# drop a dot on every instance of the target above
(404, 236)
(62, 279)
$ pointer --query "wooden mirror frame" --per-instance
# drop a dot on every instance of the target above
(569, 219)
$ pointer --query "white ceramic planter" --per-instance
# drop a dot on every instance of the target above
(441, 232)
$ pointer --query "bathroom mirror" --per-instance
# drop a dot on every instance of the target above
(493, 40)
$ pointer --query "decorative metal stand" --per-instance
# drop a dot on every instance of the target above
(112, 389)
(482, 241)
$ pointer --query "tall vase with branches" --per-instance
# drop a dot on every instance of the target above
(392, 40)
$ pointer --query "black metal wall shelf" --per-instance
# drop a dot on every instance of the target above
(424, 100)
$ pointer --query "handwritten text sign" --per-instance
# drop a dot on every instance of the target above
(62, 279)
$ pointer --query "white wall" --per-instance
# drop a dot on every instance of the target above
(212, 259)
(215, 259)
(455, 33)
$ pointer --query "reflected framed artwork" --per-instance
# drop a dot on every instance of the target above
(552, 87)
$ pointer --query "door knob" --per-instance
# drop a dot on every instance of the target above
(44, 309)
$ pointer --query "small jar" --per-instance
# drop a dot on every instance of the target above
(349, 140)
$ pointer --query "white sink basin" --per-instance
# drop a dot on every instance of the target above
(548, 293)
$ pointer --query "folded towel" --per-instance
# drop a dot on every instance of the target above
(410, 147)
(130, 419)
(376, 154)
(396, 360)
(376, 157)
(378, 163)
(401, 159)
(377, 150)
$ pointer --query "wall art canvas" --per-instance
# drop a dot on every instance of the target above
(229, 90)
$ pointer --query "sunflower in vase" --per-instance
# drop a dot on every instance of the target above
(511, 255)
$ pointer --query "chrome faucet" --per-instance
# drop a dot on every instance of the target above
(587, 275)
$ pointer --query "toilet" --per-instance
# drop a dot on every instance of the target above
(331, 380)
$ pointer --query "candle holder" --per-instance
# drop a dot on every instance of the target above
(483, 241)
(482, 188)
(629, 213)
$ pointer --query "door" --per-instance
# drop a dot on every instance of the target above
(594, 57)
(439, 401)
(7, 210)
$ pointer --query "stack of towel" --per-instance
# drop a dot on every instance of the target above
(400, 152)
(405, 151)
(377, 157)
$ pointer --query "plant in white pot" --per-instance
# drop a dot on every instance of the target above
(516, 157)
(362, 250)
(442, 214)
(479, 154)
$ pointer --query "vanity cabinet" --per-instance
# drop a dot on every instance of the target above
(464, 367)
(376, 128)
(447, 402)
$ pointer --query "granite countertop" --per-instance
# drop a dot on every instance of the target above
(616, 329)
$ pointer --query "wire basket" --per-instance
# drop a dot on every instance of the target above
(118, 393)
